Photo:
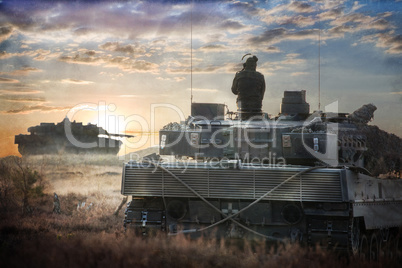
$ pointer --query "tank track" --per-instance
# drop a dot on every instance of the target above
(334, 232)
(152, 217)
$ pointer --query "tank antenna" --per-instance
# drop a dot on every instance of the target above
(191, 52)
(319, 64)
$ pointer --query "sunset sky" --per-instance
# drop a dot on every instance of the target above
(125, 65)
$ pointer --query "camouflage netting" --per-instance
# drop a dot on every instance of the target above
(384, 152)
(173, 126)
(364, 114)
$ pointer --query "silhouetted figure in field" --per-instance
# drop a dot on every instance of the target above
(56, 204)
(249, 86)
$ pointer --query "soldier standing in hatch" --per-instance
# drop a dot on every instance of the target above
(249, 86)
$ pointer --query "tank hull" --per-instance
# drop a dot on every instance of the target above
(38, 145)
(330, 206)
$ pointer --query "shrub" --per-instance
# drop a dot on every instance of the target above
(18, 182)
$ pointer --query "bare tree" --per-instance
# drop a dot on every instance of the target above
(24, 179)
(7, 189)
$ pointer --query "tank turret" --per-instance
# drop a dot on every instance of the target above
(294, 137)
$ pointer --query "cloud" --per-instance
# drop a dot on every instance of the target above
(298, 21)
(5, 32)
(235, 67)
(232, 25)
(380, 24)
(351, 18)
(299, 73)
(216, 47)
(8, 81)
(278, 35)
(87, 57)
(332, 14)
(272, 49)
(352, 22)
(302, 35)
(4, 55)
(37, 108)
(394, 43)
(247, 7)
(277, 11)
(195, 69)
(42, 55)
(339, 31)
(300, 7)
(18, 89)
(287, 14)
(127, 64)
(292, 59)
(288, 62)
(135, 49)
(39, 54)
(269, 36)
(177, 78)
(391, 42)
(331, 4)
(359, 22)
(356, 6)
(76, 82)
(26, 70)
(95, 22)
(83, 31)
(122, 19)
(18, 98)
(133, 66)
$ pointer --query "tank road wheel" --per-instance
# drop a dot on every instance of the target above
(364, 248)
(374, 248)
(398, 248)
(355, 237)
(389, 249)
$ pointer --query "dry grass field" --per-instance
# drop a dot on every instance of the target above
(87, 234)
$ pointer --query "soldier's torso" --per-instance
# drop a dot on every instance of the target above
(249, 84)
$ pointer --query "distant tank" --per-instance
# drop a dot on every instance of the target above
(299, 176)
(68, 137)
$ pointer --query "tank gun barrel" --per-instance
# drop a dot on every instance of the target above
(121, 135)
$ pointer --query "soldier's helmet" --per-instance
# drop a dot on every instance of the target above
(251, 63)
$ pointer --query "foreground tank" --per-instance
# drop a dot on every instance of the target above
(298, 177)
(67, 137)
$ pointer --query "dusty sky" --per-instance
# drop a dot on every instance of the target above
(125, 65)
